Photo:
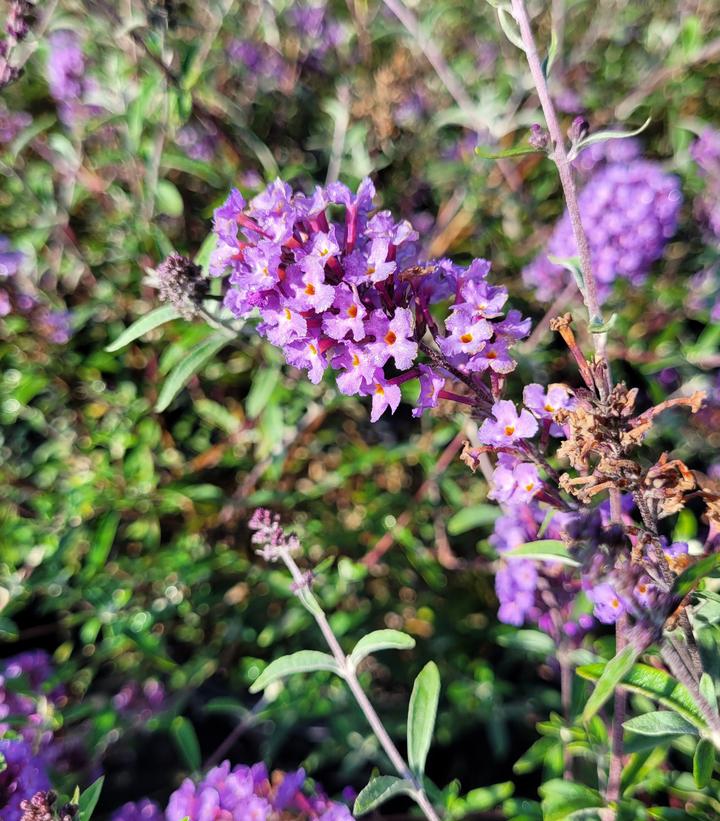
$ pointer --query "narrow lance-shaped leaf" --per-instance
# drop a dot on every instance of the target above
(603, 136)
(544, 550)
(611, 676)
(660, 723)
(421, 716)
(655, 684)
(186, 740)
(689, 578)
(181, 374)
(380, 640)
(488, 153)
(158, 316)
(304, 661)
(88, 799)
(379, 790)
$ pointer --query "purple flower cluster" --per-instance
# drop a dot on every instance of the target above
(629, 210)
(351, 295)
(67, 77)
(54, 325)
(11, 124)
(199, 140)
(34, 669)
(24, 775)
(140, 701)
(526, 591)
(706, 153)
(240, 793)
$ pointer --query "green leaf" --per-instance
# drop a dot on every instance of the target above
(168, 198)
(89, 798)
(202, 258)
(563, 798)
(544, 550)
(181, 374)
(707, 688)
(263, 385)
(655, 684)
(157, 317)
(613, 673)
(421, 716)
(488, 153)
(603, 136)
(103, 540)
(379, 790)
(703, 763)
(186, 740)
(660, 723)
(689, 578)
(380, 640)
(304, 661)
(471, 517)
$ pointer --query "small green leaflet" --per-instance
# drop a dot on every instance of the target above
(660, 723)
(421, 716)
(89, 798)
(304, 661)
(611, 676)
(181, 374)
(563, 798)
(488, 153)
(544, 550)
(379, 790)
(186, 740)
(603, 136)
(703, 763)
(380, 640)
(156, 317)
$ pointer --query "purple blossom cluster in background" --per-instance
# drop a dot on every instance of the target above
(24, 774)
(68, 79)
(352, 295)
(629, 209)
(239, 793)
(706, 153)
(15, 297)
(23, 712)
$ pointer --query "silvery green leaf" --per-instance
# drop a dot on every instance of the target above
(304, 661)
(603, 136)
(379, 790)
(380, 640)
(421, 716)
(156, 317)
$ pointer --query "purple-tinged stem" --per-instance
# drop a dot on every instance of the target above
(560, 157)
(612, 792)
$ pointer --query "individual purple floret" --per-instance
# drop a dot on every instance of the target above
(24, 775)
(350, 294)
(629, 211)
(11, 124)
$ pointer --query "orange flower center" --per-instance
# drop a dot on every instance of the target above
(509, 430)
(310, 289)
(313, 349)
(355, 360)
(287, 313)
(549, 408)
(491, 355)
(390, 338)
(466, 338)
(352, 311)
(370, 270)
(379, 389)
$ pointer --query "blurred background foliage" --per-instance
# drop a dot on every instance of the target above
(124, 547)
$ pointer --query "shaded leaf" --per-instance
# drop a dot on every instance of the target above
(421, 716)
(379, 790)
(563, 798)
(603, 136)
(544, 550)
(703, 763)
(660, 723)
(612, 674)
(181, 374)
(471, 517)
(88, 799)
(488, 153)
(689, 578)
(655, 684)
(156, 317)
(380, 640)
(263, 385)
(186, 740)
(304, 661)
